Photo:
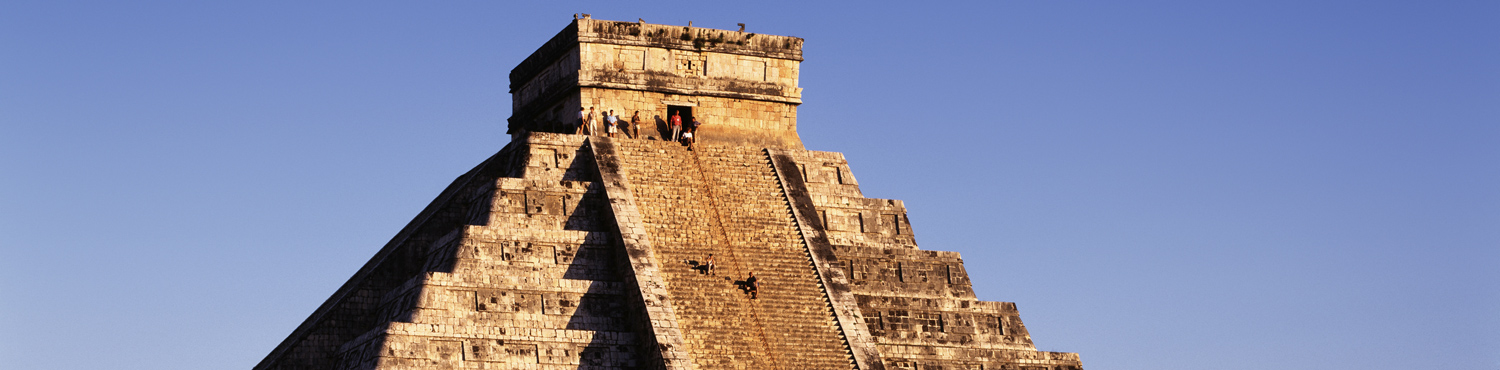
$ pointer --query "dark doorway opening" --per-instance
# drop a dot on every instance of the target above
(687, 115)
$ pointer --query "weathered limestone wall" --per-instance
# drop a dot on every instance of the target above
(695, 72)
(549, 101)
(744, 56)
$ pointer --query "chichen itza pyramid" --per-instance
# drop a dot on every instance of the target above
(567, 251)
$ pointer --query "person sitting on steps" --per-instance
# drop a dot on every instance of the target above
(752, 285)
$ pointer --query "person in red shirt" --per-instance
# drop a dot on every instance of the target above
(676, 126)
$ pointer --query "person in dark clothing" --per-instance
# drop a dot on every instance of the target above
(752, 285)
(635, 125)
(582, 119)
(690, 135)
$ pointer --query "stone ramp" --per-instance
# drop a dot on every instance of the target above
(726, 201)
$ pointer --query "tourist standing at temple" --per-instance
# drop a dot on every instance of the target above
(582, 117)
(635, 125)
(676, 126)
(709, 269)
(694, 128)
(593, 123)
(610, 121)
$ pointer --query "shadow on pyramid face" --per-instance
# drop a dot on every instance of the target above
(610, 307)
(589, 211)
(582, 167)
(662, 128)
(602, 313)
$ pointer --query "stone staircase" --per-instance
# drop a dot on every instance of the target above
(762, 230)
(726, 201)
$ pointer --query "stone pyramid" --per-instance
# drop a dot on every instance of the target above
(585, 251)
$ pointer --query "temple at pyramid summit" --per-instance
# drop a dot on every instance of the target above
(589, 249)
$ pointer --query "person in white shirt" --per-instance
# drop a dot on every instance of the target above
(611, 121)
(593, 123)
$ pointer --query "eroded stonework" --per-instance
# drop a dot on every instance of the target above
(744, 85)
(570, 251)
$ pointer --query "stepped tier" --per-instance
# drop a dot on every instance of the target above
(578, 252)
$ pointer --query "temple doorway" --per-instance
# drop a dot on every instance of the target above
(687, 119)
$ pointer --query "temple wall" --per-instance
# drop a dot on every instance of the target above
(689, 71)
(726, 121)
(742, 86)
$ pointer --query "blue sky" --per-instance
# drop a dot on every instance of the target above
(1158, 185)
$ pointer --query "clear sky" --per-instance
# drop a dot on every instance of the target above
(1158, 185)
